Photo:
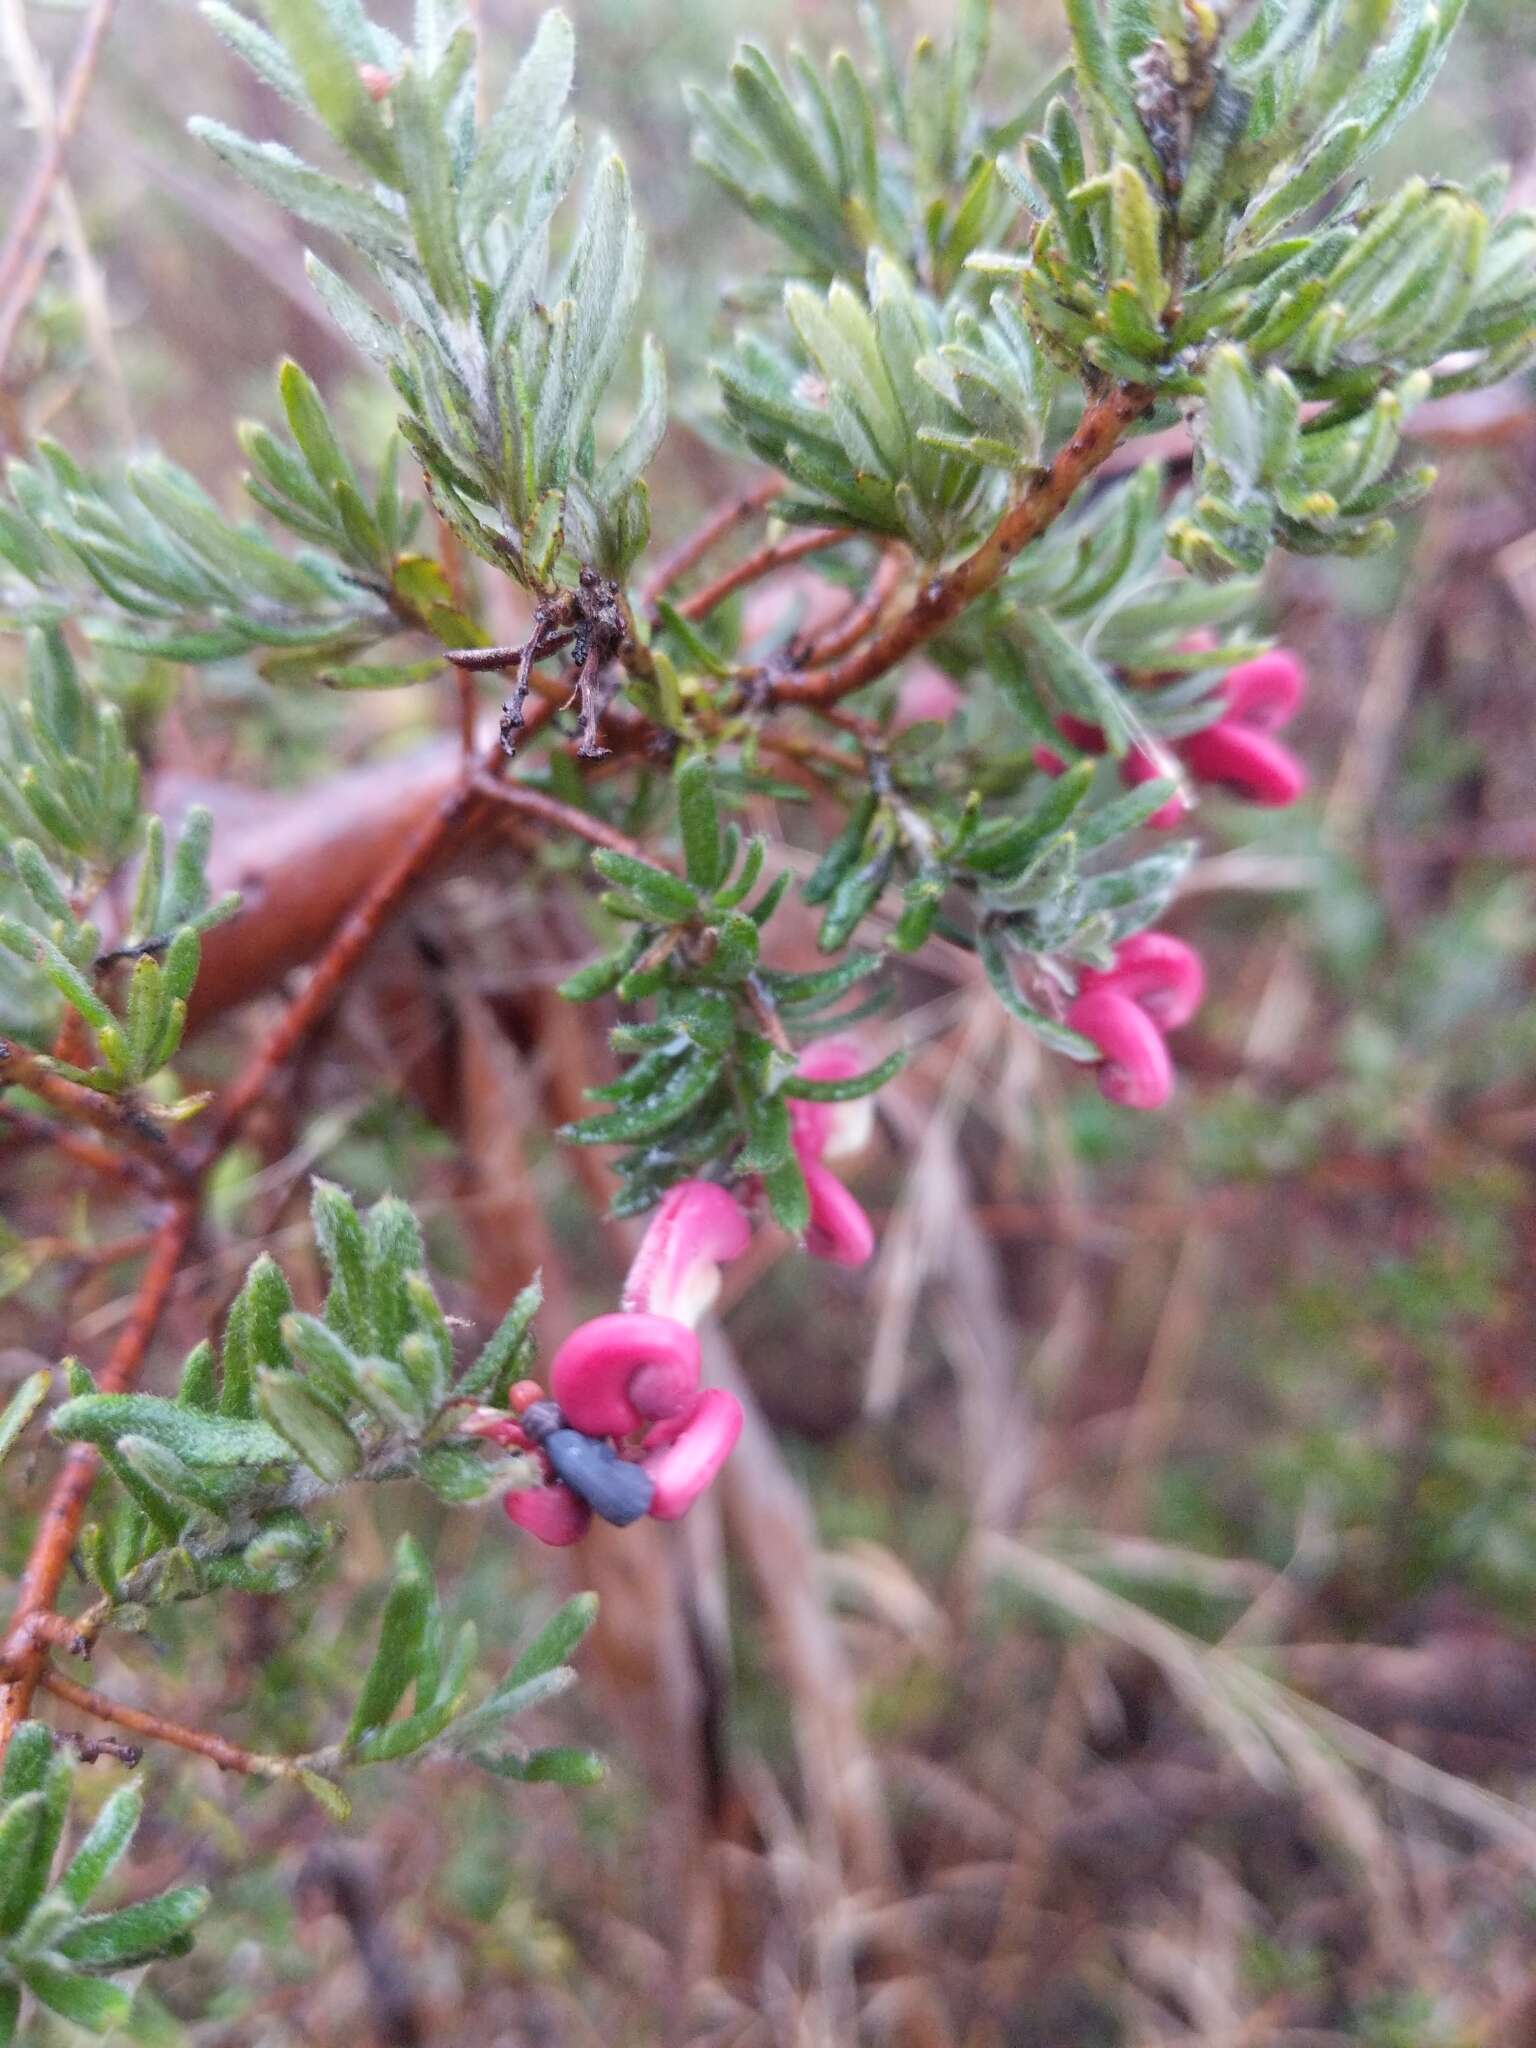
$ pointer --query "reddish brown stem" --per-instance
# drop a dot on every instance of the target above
(861, 617)
(548, 810)
(776, 555)
(108, 1114)
(942, 600)
(692, 549)
(25, 1653)
(84, 1151)
(229, 1756)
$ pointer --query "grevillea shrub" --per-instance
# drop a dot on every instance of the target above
(1026, 665)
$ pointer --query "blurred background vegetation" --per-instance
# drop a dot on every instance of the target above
(1255, 1374)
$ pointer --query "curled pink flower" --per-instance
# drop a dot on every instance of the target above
(1247, 761)
(552, 1513)
(696, 1230)
(618, 1372)
(839, 1229)
(1158, 971)
(1135, 1070)
(1267, 691)
(1237, 752)
(683, 1456)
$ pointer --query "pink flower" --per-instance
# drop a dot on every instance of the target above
(1238, 752)
(684, 1457)
(1156, 984)
(637, 1370)
(618, 1372)
(676, 1272)
(1135, 1069)
(551, 1512)
(832, 1130)
(1156, 970)
(838, 1229)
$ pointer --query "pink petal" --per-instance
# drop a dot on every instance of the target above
(1246, 761)
(1267, 691)
(838, 1230)
(1136, 1070)
(1048, 762)
(1085, 737)
(619, 1371)
(683, 1458)
(926, 695)
(1156, 970)
(696, 1229)
(831, 1130)
(552, 1513)
(495, 1426)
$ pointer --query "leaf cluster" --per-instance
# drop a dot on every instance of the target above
(502, 359)
(293, 1405)
(415, 1698)
(711, 1071)
(69, 814)
(51, 1944)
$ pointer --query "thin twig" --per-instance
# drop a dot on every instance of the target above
(861, 617)
(24, 1655)
(21, 267)
(229, 1756)
(548, 810)
(75, 1145)
(108, 1114)
(692, 549)
(1104, 423)
(763, 562)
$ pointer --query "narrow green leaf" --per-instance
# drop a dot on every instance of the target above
(218, 1441)
(402, 1633)
(329, 72)
(303, 1422)
(555, 1643)
(666, 896)
(21, 1408)
(88, 2002)
(105, 1845)
(136, 1934)
(504, 1355)
(851, 1088)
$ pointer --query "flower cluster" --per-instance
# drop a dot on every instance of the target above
(627, 1429)
(1238, 753)
(1155, 984)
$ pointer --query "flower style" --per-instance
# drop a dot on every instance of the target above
(1238, 753)
(1155, 985)
(838, 1230)
(628, 1430)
